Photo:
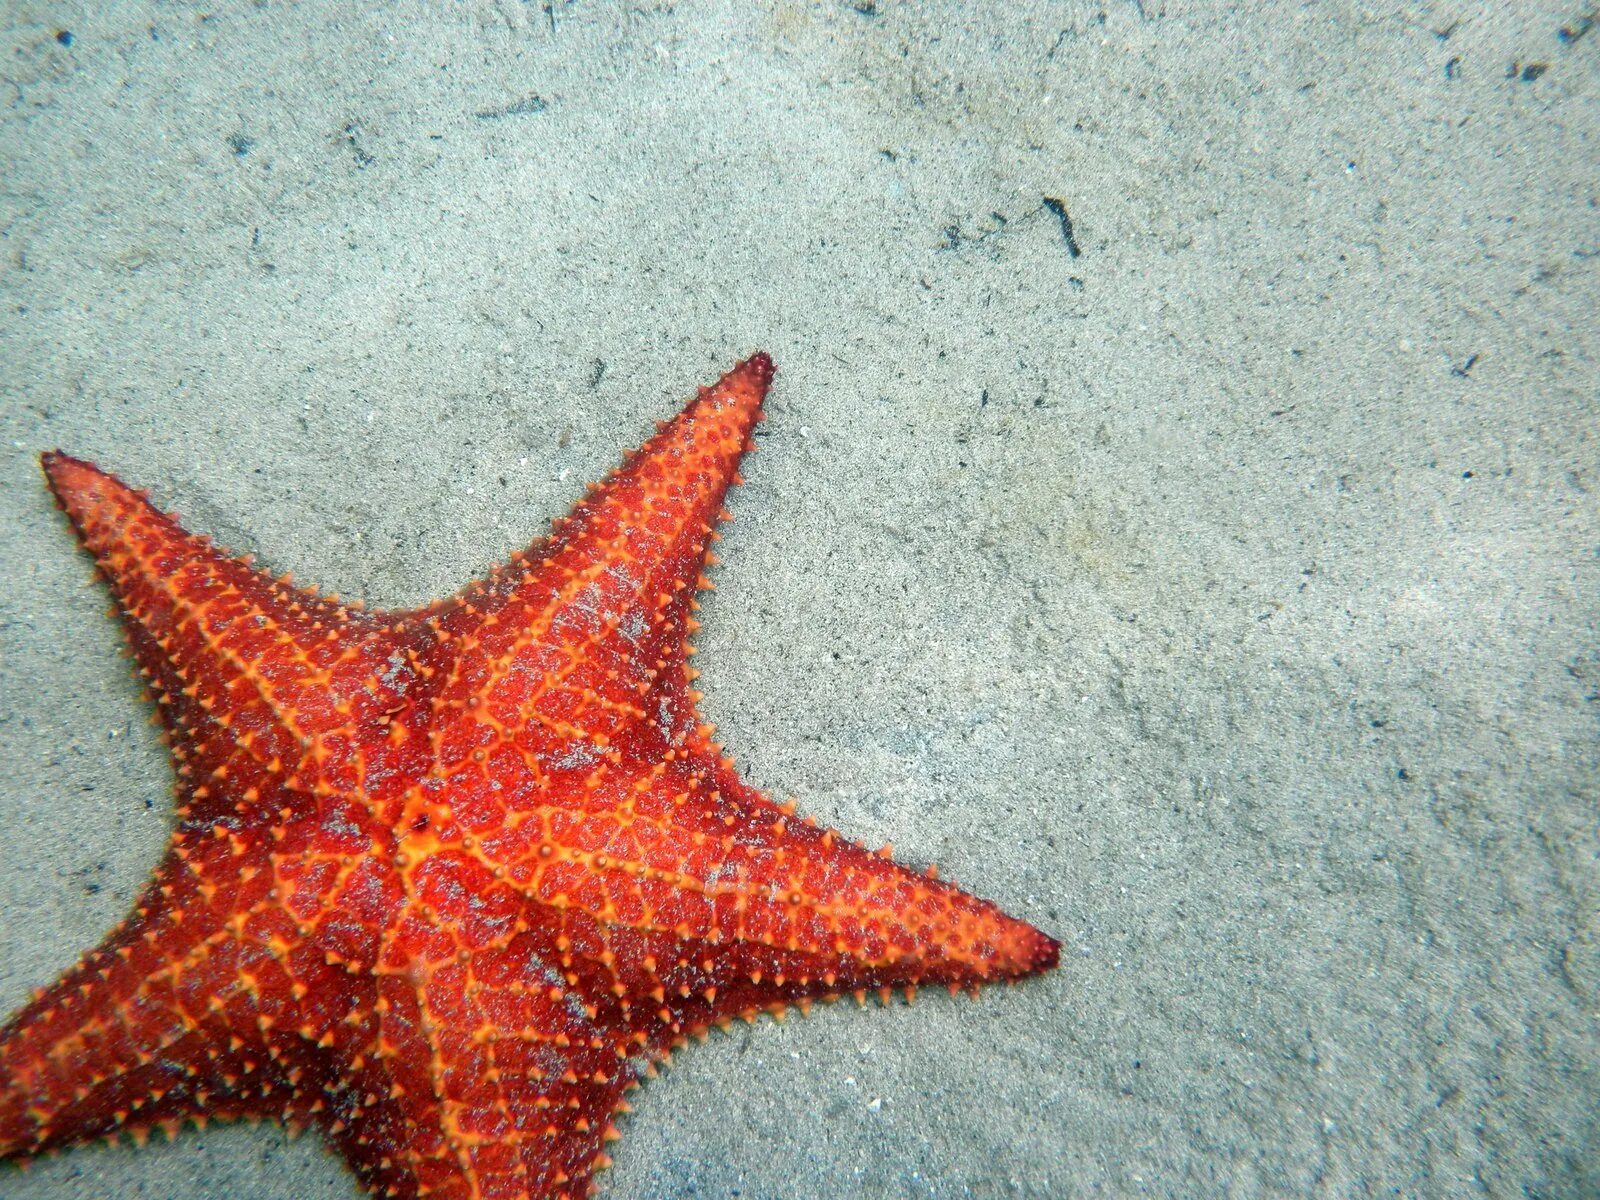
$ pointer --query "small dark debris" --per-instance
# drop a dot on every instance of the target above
(350, 135)
(983, 400)
(1568, 34)
(1466, 474)
(889, 154)
(1403, 775)
(1464, 371)
(1060, 211)
(517, 108)
(240, 144)
(597, 373)
(1378, 722)
(550, 11)
(1444, 34)
(955, 236)
(64, 36)
(1532, 71)
(1452, 69)
(865, 8)
(1544, 273)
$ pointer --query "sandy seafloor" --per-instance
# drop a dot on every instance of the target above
(1215, 587)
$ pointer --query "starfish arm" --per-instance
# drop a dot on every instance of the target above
(813, 914)
(566, 644)
(500, 1038)
(531, 1140)
(454, 1088)
(257, 682)
(142, 1033)
(709, 900)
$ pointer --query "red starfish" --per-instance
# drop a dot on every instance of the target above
(446, 883)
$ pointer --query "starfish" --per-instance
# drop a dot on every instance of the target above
(445, 884)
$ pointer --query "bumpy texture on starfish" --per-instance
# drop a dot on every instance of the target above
(444, 884)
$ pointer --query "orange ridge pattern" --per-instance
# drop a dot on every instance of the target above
(445, 884)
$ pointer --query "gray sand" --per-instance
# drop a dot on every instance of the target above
(1213, 583)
